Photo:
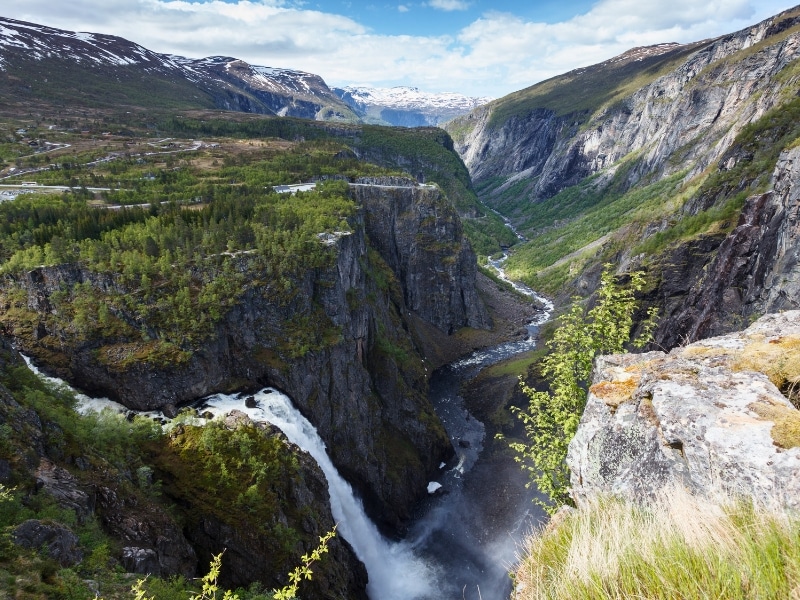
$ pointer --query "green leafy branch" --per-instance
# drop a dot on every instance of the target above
(303, 570)
(552, 417)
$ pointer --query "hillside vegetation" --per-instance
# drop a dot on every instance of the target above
(173, 220)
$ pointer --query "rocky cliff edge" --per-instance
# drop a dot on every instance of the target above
(339, 348)
(705, 417)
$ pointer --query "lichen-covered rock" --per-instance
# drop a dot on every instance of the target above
(695, 417)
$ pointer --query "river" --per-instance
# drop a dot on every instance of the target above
(471, 532)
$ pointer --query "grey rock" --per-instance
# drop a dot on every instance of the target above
(687, 418)
(160, 544)
(59, 541)
(5, 471)
(140, 560)
(64, 488)
(754, 270)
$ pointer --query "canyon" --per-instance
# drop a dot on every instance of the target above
(677, 160)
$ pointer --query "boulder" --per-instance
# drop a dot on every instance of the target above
(696, 418)
(140, 560)
(60, 542)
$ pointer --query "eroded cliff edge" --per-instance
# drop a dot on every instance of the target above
(716, 284)
(338, 345)
(708, 417)
(699, 97)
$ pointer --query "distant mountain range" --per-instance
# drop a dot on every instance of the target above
(40, 64)
(406, 106)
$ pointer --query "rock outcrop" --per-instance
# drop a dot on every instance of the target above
(754, 270)
(698, 417)
(418, 233)
(56, 540)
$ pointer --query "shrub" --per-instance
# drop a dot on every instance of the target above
(552, 417)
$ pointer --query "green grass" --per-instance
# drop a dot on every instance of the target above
(679, 547)
(597, 216)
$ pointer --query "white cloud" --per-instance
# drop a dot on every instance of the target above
(496, 54)
(449, 5)
(402, 8)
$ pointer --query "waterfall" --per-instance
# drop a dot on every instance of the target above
(395, 573)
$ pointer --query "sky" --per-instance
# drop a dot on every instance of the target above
(474, 47)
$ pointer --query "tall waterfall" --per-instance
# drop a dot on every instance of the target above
(394, 572)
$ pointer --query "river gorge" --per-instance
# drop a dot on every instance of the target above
(464, 536)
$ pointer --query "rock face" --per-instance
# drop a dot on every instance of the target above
(687, 116)
(57, 540)
(418, 233)
(754, 269)
(692, 418)
(364, 388)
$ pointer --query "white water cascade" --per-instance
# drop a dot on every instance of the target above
(394, 572)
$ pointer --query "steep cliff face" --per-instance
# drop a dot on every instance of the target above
(337, 347)
(418, 233)
(752, 271)
(688, 114)
(701, 417)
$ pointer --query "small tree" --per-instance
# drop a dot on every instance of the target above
(552, 417)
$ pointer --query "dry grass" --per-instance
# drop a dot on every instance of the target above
(678, 547)
(778, 359)
(786, 431)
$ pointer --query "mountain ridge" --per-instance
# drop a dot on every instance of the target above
(33, 54)
(407, 106)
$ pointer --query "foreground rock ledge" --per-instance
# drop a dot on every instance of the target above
(695, 418)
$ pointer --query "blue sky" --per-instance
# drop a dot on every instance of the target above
(422, 18)
(475, 47)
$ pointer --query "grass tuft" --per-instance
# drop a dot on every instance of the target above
(680, 546)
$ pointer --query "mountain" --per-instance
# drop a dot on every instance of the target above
(56, 67)
(652, 160)
(406, 106)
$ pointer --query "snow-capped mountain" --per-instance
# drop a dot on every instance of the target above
(50, 63)
(406, 106)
